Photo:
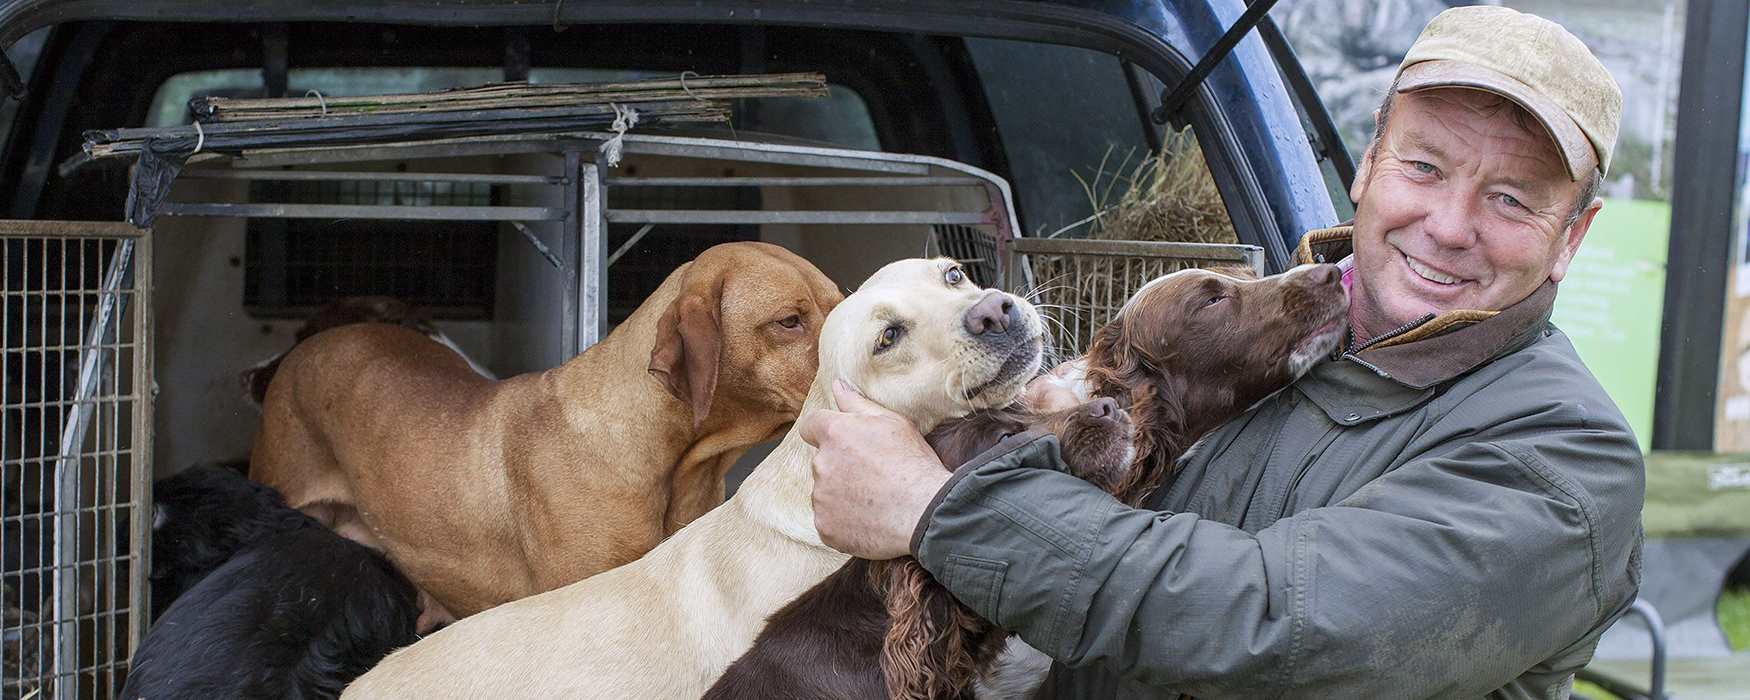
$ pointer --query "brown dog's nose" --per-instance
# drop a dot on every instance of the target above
(1105, 408)
(993, 314)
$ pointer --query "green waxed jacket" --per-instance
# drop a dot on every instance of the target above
(1453, 511)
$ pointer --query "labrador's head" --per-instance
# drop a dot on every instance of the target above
(741, 341)
(921, 339)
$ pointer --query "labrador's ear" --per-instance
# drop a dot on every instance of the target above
(689, 342)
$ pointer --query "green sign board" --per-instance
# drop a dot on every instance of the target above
(1612, 300)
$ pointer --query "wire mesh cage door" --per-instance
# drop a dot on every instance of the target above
(75, 455)
(1080, 284)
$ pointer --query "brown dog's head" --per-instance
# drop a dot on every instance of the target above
(741, 341)
(1095, 438)
(1194, 348)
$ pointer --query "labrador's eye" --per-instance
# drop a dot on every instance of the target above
(889, 337)
(791, 321)
(1215, 300)
(954, 276)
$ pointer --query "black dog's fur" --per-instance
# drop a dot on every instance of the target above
(272, 604)
(203, 516)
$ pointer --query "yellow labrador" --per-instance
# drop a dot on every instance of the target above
(918, 337)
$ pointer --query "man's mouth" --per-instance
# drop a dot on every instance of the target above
(1429, 273)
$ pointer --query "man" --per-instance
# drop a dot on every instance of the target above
(1451, 508)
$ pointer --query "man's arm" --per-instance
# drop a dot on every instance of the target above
(1451, 575)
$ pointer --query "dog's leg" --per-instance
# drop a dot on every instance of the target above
(345, 521)
(433, 616)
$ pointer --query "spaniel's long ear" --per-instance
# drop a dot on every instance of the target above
(913, 654)
(1113, 365)
(689, 344)
(1159, 411)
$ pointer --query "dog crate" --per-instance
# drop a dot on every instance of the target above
(1080, 284)
(806, 198)
(577, 243)
(75, 455)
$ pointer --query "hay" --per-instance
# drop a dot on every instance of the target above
(1167, 196)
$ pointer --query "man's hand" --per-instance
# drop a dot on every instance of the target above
(873, 477)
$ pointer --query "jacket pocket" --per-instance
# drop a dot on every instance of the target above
(977, 582)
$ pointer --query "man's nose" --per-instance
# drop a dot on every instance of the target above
(1450, 223)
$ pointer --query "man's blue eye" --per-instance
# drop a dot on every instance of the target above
(1511, 201)
(1422, 167)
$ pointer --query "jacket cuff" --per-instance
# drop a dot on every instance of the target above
(1011, 536)
(1006, 446)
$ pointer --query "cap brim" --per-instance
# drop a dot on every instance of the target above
(1576, 150)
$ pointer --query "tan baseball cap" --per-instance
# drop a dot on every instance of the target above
(1531, 61)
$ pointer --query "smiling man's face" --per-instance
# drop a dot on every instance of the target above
(1463, 205)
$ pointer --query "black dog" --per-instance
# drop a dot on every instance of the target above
(263, 602)
(203, 516)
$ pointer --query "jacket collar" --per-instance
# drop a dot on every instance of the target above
(1441, 347)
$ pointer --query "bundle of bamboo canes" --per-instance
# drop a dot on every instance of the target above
(232, 125)
(516, 95)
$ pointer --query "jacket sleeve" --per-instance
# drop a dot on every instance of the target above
(1450, 575)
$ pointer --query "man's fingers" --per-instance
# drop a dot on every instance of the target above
(813, 426)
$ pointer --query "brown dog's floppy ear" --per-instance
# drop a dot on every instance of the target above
(1113, 366)
(689, 341)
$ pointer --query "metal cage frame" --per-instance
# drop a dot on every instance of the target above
(584, 258)
(92, 458)
(1080, 284)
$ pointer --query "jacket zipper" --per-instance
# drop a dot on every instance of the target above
(1400, 330)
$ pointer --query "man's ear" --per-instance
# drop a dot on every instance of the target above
(1364, 169)
(689, 345)
(1575, 234)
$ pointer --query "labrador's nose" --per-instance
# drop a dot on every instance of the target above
(1105, 408)
(993, 315)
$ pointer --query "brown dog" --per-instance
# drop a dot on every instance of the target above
(484, 492)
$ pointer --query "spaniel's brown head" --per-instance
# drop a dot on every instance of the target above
(1095, 438)
(1192, 349)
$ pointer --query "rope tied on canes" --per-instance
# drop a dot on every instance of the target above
(684, 87)
(624, 119)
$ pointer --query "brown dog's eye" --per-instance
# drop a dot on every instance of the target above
(791, 321)
(954, 276)
(1215, 299)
